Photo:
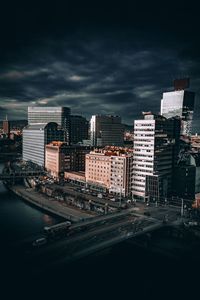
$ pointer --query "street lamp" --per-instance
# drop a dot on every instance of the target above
(106, 208)
(133, 200)
(120, 196)
(182, 208)
(120, 191)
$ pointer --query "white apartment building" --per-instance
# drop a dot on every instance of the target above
(144, 133)
(154, 155)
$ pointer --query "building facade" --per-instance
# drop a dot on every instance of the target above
(97, 169)
(59, 115)
(195, 142)
(106, 131)
(75, 157)
(154, 156)
(61, 158)
(120, 180)
(110, 169)
(187, 175)
(36, 137)
(76, 177)
(179, 103)
(55, 159)
(79, 129)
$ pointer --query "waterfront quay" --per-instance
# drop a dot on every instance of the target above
(90, 233)
(91, 229)
(50, 204)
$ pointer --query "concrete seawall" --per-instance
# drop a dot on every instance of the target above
(49, 205)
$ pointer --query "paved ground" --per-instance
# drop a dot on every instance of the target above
(89, 240)
(73, 190)
(53, 205)
(96, 235)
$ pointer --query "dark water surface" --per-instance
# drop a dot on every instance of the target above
(127, 271)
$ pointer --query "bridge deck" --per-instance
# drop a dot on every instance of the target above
(98, 237)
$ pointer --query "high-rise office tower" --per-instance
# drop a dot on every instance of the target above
(45, 114)
(179, 102)
(79, 128)
(36, 137)
(6, 126)
(154, 155)
(106, 130)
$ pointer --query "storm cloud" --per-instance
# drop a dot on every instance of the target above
(117, 64)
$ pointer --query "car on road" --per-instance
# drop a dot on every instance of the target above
(39, 242)
(129, 234)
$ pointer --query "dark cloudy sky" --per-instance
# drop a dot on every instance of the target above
(95, 57)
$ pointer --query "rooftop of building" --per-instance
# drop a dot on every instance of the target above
(181, 83)
(45, 108)
(64, 144)
(56, 144)
(77, 116)
(107, 117)
(148, 115)
(79, 173)
(185, 158)
(113, 151)
(40, 126)
(195, 138)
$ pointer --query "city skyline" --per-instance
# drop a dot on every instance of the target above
(96, 61)
(99, 149)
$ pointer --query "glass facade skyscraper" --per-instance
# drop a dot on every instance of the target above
(45, 114)
(35, 137)
(106, 130)
(179, 103)
(79, 129)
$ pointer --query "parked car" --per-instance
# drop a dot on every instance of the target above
(39, 242)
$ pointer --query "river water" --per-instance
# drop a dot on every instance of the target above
(124, 270)
(19, 220)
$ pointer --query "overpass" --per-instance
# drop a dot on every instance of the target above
(90, 236)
